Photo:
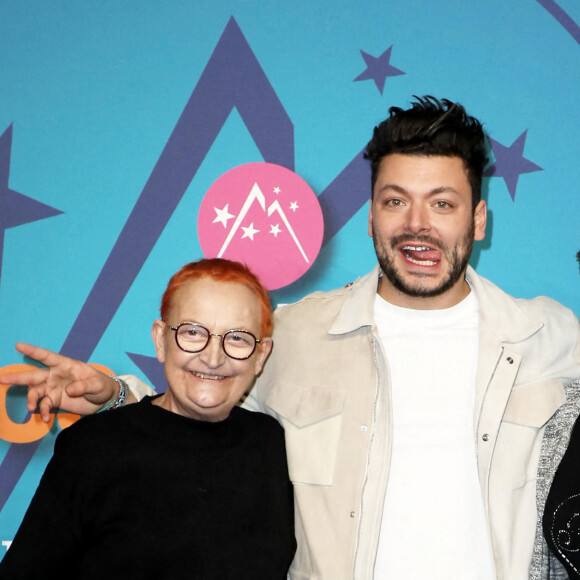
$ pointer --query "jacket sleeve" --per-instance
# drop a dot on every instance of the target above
(139, 389)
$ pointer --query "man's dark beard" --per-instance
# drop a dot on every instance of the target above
(458, 263)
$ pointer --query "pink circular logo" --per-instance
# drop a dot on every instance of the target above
(265, 216)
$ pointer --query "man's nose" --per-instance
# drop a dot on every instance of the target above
(417, 219)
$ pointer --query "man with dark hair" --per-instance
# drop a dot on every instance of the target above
(414, 401)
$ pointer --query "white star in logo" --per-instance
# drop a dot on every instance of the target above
(222, 216)
(275, 229)
(249, 232)
(277, 190)
(294, 206)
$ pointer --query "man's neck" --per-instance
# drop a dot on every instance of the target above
(447, 299)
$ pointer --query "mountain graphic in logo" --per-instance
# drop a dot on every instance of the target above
(265, 216)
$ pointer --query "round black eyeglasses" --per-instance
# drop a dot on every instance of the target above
(193, 337)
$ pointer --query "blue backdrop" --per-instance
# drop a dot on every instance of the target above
(116, 116)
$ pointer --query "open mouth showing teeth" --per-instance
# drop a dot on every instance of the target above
(421, 255)
(210, 377)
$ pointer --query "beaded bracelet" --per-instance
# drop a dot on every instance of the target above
(121, 397)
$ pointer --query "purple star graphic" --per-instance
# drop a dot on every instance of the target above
(510, 163)
(16, 209)
(378, 68)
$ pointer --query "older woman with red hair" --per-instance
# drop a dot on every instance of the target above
(184, 484)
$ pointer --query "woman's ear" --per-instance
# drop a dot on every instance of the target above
(264, 349)
(158, 334)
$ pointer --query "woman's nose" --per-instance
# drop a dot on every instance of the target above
(213, 354)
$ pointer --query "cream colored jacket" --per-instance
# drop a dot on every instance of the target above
(327, 382)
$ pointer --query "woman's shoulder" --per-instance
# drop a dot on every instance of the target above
(257, 421)
(256, 418)
(99, 428)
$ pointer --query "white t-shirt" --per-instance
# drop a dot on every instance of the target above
(433, 522)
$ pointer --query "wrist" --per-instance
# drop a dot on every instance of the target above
(120, 398)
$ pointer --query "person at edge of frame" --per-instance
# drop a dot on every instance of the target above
(414, 400)
(559, 485)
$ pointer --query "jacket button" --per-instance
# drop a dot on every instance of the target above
(510, 360)
(363, 427)
(352, 514)
(485, 437)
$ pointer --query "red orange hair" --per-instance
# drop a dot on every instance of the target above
(221, 270)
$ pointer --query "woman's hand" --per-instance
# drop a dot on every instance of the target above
(66, 383)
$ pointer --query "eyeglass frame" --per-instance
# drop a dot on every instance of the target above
(257, 341)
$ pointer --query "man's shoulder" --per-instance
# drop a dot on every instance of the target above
(489, 293)
(313, 301)
(517, 319)
(323, 303)
(545, 305)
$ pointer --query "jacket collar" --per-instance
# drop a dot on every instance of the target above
(499, 311)
(359, 305)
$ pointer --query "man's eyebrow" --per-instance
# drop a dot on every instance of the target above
(443, 189)
(435, 191)
(392, 187)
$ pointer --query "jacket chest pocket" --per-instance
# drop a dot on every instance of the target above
(533, 405)
(517, 452)
(312, 419)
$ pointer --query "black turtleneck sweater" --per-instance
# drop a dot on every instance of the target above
(144, 493)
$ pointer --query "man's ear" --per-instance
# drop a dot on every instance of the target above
(370, 230)
(158, 335)
(264, 349)
(479, 220)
